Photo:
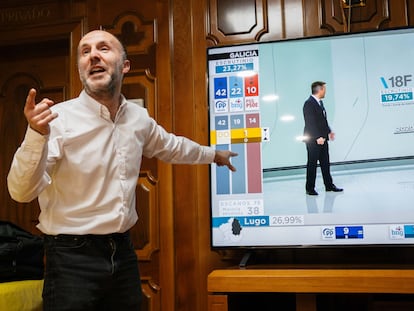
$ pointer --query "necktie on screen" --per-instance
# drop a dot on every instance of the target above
(323, 107)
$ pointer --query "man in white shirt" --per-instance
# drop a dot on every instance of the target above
(82, 158)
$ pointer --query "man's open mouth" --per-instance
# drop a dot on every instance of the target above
(96, 70)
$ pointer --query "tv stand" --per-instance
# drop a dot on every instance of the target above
(245, 259)
(305, 283)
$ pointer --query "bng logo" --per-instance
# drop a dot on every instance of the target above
(328, 233)
(396, 232)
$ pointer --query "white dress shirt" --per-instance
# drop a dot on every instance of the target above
(85, 171)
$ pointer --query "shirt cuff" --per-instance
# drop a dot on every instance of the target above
(210, 154)
(33, 140)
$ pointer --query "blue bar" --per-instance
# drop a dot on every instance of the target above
(236, 86)
(237, 121)
(238, 182)
(234, 68)
(221, 122)
(349, 232)
(384, 83)
(218, 221)
(220, 88)
(396, 97)
(243, 221)
(222, 175)
(409, 231)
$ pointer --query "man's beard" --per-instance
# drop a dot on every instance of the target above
(102, 90)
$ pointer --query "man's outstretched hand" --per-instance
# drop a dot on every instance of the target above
(39, 115)
(223, 158)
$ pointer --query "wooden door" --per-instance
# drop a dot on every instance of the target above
(41, 65)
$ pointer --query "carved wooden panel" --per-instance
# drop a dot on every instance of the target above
(145, 232)
(336, 18)
(145, 236)
(151, 294)
(237, 21)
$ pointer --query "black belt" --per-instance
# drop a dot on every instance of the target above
(114, 236)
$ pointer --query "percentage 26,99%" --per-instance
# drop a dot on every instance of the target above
(287, 220)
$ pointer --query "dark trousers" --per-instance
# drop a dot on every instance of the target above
(318, 153)
(90, 272)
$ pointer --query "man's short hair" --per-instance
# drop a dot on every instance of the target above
(316, 86)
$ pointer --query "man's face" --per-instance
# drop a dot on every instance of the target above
(322, 91)
(101, 63)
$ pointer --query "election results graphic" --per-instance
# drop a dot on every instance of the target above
(235, 119)
(234, 90)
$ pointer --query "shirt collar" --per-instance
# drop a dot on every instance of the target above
(99, 109)
(316, 98)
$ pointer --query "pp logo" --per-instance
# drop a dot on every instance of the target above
(220, 106)
(328, 233)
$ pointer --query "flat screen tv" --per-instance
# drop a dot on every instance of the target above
(256, 97)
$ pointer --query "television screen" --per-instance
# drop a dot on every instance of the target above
(256, 97)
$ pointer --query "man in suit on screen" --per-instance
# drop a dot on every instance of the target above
(317, 133)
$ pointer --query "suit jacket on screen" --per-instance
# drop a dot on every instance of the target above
(316, 124)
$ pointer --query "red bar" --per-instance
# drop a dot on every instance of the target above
(254, 168)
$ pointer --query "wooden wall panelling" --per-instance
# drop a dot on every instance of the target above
(369, 17)
(399, 14)
(146, 233)
(38, 49)
(20, 14)
(284, 19)
(145, 236)
(312, 19)
(237, 21)
(323, 17)
(184, 177)
(164, 116)
(275, 20)
(200, 134)
(190, 116)
(43, 21)
(12, 130)
(410, 12)
(293, 18)
(194, 259)
(254, 20)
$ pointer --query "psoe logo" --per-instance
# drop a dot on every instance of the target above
(328, 233)
(252, 104)
(396, 232)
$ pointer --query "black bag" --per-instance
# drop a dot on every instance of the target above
(21, 254)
